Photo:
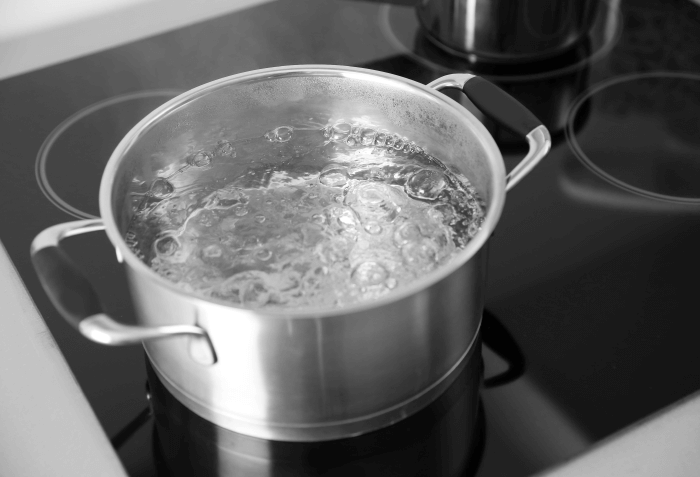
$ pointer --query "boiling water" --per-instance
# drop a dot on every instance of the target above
(304, 217)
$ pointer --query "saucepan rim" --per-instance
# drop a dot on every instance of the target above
(494, 205)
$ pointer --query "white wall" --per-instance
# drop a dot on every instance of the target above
(37, 33)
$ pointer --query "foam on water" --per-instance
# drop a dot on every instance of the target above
(304, 217)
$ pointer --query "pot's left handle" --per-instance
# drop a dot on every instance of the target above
(75, 298)
(507, 111)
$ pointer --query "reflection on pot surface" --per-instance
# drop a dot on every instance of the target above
(446, 438)
(505, 30)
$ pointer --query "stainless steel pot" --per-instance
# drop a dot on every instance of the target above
(507, 30)
(300, 375)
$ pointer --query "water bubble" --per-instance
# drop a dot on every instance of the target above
(255, 294)
(420, 254)
(225, 198)
(263, 254)
(380, 139)
(160, 210)
(426, 184)
(224, 148)
(369, 274)
(212, 251)
(371, 195)
(207, 218)
(280, 134)
(336, 249)
(340, 131)
(171, 273)
(346, 219)
(373, 228)
(318, 219)
(375, 201)
(351, 141)
(391, 283)
(333, 176)
(407, 232)
(240, 211)
(161, 188)
(201, 159)
(473, 229)
(166, 246)
(443, 213)
(377, 174)
(260, 218)
(367, 137)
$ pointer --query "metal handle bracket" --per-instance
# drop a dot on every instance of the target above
(506, 110)
(75, 298)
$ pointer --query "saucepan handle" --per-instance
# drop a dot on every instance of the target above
(75, 298)
(497, 337)
(507, 111)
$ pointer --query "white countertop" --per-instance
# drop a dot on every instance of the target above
(48, 427)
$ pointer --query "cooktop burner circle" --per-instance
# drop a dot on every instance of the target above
(70, 162)
(642, 133)
(402, 29)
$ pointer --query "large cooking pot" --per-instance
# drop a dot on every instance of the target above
(313, 374)
(506, 30)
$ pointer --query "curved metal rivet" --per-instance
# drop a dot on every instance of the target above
(201, 350)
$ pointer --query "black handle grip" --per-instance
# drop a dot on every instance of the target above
(498, 338)
(500, 106)
(70, 292)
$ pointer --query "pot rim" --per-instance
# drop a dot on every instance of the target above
(493, 208)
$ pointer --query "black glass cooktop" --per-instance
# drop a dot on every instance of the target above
(591, 268)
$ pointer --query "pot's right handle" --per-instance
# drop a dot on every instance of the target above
(497, 337)
(75, 298)
(507, 111)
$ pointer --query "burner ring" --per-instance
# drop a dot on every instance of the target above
(643, 186)
(146, 101)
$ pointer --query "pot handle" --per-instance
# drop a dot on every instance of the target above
(75, 298)
(507, 111)
(497, 337)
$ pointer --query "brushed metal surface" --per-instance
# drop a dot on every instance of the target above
(313, 373)
(506, 30)
(317, 377)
